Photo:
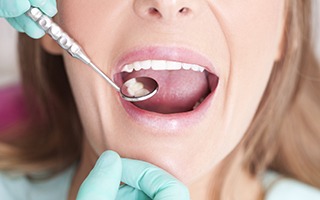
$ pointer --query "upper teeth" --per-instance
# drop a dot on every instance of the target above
(160, 65)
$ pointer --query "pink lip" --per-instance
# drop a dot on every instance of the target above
(170, 122)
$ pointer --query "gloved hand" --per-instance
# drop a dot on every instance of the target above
(13, 11)
(143, 181)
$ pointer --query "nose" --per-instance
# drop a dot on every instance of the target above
(166, 10)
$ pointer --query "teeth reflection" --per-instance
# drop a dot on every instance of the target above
(135, 88)
(160, 65)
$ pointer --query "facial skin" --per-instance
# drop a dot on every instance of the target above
(240, 38)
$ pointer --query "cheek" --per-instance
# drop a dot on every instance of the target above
(93, 24)
(253, 30)
(83, 20)
(90, 92)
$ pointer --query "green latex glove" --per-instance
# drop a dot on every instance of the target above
(14, 12)
(143, 181)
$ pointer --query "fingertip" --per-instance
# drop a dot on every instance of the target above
(108, 161)
(104, 179)
(126, 191)
(14, 9)
(33, 31)
(29, 27)
(49, 10)
(152, 180)
(181, 189)
(109, 156)
(49, 7)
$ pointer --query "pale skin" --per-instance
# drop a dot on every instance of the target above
(241, 38)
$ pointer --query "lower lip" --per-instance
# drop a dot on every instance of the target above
(169, 123)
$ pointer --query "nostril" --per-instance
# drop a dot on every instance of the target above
(154, 12)
(184, 10)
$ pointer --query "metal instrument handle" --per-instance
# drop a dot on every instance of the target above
(64, 40)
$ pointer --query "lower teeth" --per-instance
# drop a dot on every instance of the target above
(198, 103)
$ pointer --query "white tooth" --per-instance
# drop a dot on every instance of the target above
(171, 65)
(198, 103)
(201, 69)
(137, 66)
(131, 67)
(127, 68)
(194, 67)
(161, 65)
(197, 68)
(135, 88)
(186, 66)
(158, 64)
(145, 64)
(130, 82)
(141, 92)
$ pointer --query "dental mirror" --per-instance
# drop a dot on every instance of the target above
(139, 89)
(135, 89)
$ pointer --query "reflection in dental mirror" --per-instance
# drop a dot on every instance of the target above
(139, 89)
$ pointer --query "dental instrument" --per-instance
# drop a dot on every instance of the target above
(134, 90)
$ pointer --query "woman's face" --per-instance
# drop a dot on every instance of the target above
(236, 42)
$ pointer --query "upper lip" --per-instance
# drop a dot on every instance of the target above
(177, 54)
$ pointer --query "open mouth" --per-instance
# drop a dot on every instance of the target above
(182, 86)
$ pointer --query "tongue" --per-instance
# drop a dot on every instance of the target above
(179, 91)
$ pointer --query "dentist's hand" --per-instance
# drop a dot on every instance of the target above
(143, 181)
(13, 11)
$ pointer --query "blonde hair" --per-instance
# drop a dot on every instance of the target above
(284, 134)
